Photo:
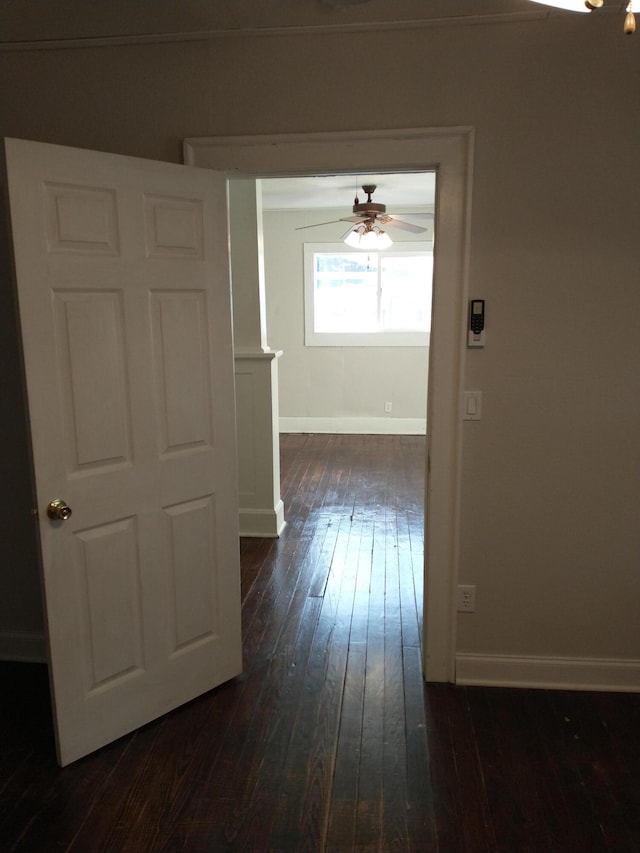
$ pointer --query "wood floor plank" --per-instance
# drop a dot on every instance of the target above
(448, 808)
(394, 756)
(475, 819)
(618, 762)
(581, 753)
(421, 801)
(311, 757)
(259, 764)
(369, 823)
(341, 829)
(73, 796)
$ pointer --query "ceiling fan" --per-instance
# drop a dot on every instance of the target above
(368, 216)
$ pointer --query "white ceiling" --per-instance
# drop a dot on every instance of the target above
(410, 189)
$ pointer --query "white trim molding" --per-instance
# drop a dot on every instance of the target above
(356, 426)
(448, 151)
(24, 646)
(262, 523)
(261, 508)
(224, 30)
(549, 673)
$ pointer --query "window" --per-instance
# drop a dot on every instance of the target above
(359, 298)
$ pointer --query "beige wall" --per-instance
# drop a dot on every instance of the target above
(551, 475)
(20, 600)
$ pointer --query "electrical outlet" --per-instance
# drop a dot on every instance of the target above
(466, 598)
(387, 408)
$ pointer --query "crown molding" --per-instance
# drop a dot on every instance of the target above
(208, 35)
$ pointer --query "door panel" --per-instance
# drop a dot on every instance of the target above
(181, 347)
(89, 330)
(123, 286)
(109, 580)
(193, 537)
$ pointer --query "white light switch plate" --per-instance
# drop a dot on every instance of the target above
(472, 405)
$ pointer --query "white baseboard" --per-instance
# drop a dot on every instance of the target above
(21, 646)
(356, 426)
(262, 522)
(548, 673)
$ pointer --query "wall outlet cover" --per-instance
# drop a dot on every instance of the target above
(466, 598)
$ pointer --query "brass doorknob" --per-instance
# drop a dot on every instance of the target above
(58, 510)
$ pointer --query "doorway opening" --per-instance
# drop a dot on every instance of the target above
(354, 324)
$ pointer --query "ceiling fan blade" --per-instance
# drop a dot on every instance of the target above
(317, 225)
(353, 218)
(405, 226)
(415, 215)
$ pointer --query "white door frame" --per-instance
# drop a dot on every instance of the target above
(450, 152)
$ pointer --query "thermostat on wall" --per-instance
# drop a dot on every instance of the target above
(475, 336)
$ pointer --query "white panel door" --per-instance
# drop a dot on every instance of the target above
(123, 286)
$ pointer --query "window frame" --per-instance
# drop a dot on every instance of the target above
(380, 338)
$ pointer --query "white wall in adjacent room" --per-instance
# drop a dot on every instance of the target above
(336, 389)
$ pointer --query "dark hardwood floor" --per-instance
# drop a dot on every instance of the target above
(330, 740)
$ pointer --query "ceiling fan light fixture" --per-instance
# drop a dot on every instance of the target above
(353, 239)
(368, 237)
(588, 6)
(572, 5)
(383, 241)
(630, 20)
